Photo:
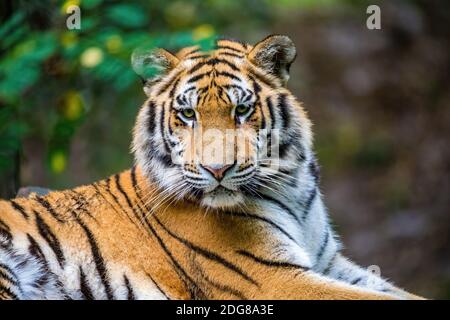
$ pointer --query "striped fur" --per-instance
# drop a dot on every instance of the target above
(169, 230)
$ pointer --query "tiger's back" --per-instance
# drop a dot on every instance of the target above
(86, 244)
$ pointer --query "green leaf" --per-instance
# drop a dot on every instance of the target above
(127, 15)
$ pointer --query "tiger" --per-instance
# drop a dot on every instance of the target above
(184, 222)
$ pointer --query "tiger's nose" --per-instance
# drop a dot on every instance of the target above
(218, 171)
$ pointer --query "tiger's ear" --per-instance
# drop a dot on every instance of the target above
(151, 65)
(275, 55)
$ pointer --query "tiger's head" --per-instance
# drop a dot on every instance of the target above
(220, 126)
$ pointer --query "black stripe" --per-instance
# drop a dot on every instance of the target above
(98, 260)
(5, 232)
(221, 287)
(19, 208)
(194, 290)
(151, 118)
(284, 111)
(169, 83)
(323, 246)
(7, 269)
(162, 127)
(308, 203)
(228, 48)
(130, 292)
(213, 62)
(256, 75)
(355, 281)
(327, 269)
(282, 205)
(127, 199)
(199, 76)
(107, 186)
(8, 292)
(84, 286)
(198, 56)
(271, 263)
(256, 87)
(224, 53)
(263, 116)
(80, 202)
(49, 208)
(133, 177)
(50, 238)
(184, 276)
(314, 170)
(174, 88)
(272, 115)
(208, 254)
(6, 277)
(36, 252)
(228, 75)
(158, 286)
(268, 221)
(283, 148)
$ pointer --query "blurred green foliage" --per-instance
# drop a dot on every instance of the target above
(52, 79)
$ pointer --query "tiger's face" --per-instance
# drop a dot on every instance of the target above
(219, 126)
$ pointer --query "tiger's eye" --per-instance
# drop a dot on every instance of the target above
(188, 113)
(242, 109)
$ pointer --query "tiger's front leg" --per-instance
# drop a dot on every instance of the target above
(342, 269)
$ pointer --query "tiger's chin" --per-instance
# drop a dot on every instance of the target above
(222, 198)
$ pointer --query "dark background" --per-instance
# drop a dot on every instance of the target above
(379, 101)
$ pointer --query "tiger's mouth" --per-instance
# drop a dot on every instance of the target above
(222, 197)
